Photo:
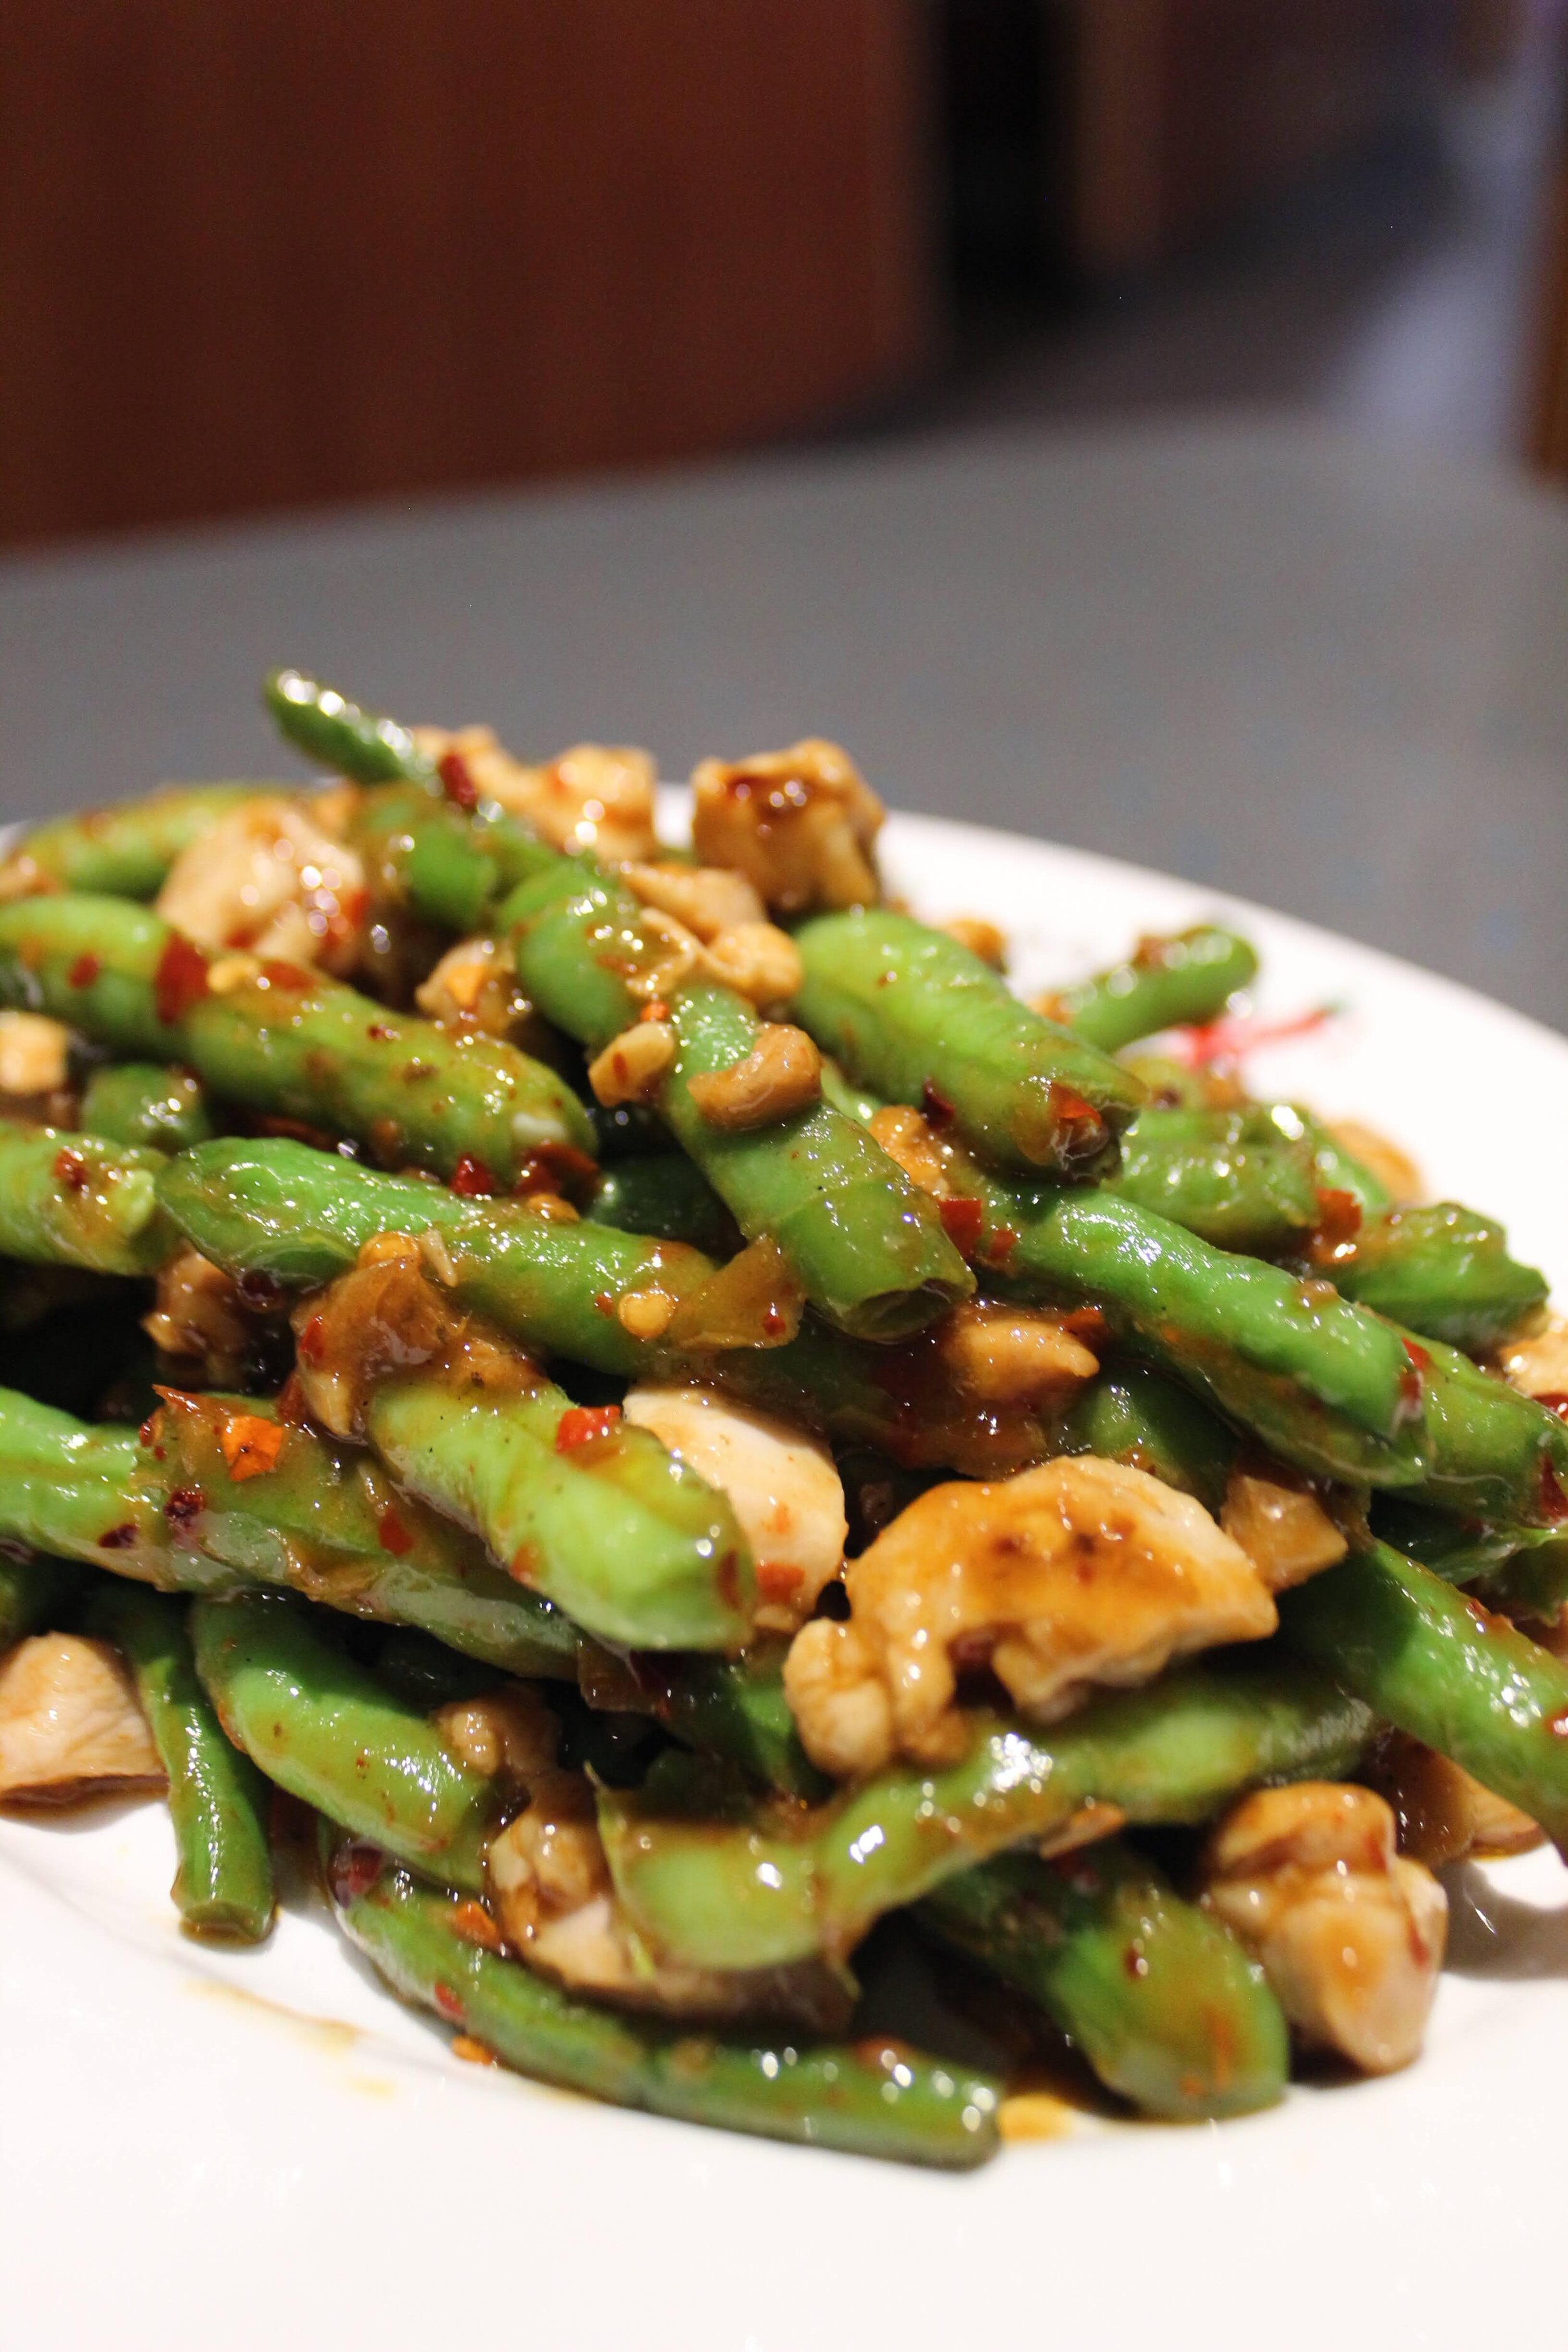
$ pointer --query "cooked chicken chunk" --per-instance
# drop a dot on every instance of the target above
(1078, 1572)
(799, 824)
(592, 796)
(1281, 1527)
(33, 1054)
(782, 1483)
(707, 899)
(266, 880)
(69, 1724)
(1014, 1355)
(1350, 1933)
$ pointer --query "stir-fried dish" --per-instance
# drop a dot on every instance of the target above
(688, 1439)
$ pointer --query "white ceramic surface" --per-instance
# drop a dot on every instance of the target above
(199, 2149)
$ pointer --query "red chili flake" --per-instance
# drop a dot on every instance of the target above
(656, 1009)
(312, 1340)
(181, 979)
(184, 1506)
(556, 1167)
(1338, 1222)
(1003, 1243)
(935, 1105)
(1410, 1381)
(447, 2001)
(583, 1424)
(777, 1579)
(1557, 1725)
(249, 1446)
(392, 1534)
(962, 1222)
(604, 1300)
(354, 1870)
(472, 1179)
(473, 1923)
(71, 1170)
(774, 1322)
(1226, 1040)
(1554, 1403)
(291, 1407)
(1135, 1962)
(119, 1538)
(380, 1032)
(1082, 1129)
(455, 781)
(292, 976)
(149, 1429)
(84, 972)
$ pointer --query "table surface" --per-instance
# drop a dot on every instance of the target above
(1325, 674)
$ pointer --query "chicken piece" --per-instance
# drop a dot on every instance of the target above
(268, 880)
(1076, 1573)
(550, 1890)
(632, 1066)
(1349, 1932)
(758, 960)
(203, 1316)
(1539, 1364)
(1444, 1814)
(1281, 1527)
(69, 1724)
(800, 824)
(593, 796)
(782, 1483)
(707, 899)
(1014, 1355)
(780, 1074)
(35, 1054)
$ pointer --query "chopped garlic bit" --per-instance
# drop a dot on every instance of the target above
(69, 1724)
(476, 984)
(782, 1483)
(266, 880)
(1076, 1573)
(1349, 1932)
(799, 824)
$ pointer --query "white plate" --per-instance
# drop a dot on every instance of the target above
(201, 2150)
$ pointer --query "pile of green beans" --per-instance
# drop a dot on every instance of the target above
(444, 1566)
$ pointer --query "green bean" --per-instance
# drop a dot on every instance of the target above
(867, 1246)
(287, 1042)
(1459, 1550)
(1134, 1414)
(34, 1593)
(223, 1881)
(923, 1020)
(148, 1105)
(734, 1708)
(167, 1508)
(301, 1217)
(1532, 1582)
(324, 1521)
(1434, 1664)
(448, 867)
(90, 1494)
(353, 742)
(1340, 1171)
(665, 1195)
(1491, 1454)
(1229, 1176)
(126, 850)
(1443, 1270)
(74, 1200)
(742, 1893)
(330, 1733)
(1165, 984)
(869, 2101)
(1161, 1998)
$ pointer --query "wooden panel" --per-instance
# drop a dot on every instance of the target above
(256, 252)
(1184, 113)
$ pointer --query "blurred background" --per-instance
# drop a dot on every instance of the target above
(1134, 420)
